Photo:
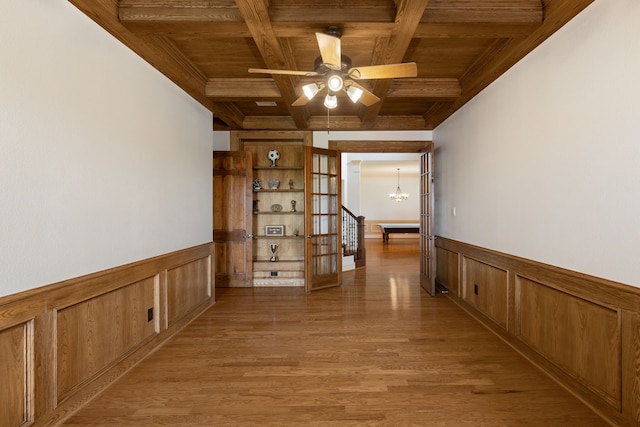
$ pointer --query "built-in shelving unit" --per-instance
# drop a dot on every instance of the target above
(278, 211)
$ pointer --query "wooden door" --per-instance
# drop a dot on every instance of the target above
(323, 248)
(232, 218)
(427, 237)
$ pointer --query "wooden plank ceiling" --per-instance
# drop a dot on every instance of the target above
(207, 46)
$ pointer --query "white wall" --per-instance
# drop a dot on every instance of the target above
(376, 204)
(545, 163)
(103, 161)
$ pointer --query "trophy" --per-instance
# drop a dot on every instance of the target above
(274, 249)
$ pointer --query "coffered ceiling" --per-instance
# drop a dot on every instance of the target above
(207, 46)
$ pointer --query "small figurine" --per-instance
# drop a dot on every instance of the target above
(256, 184)
(273, 155)
(290, 183)
(293, 206)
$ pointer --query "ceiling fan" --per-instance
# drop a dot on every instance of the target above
(337, 74)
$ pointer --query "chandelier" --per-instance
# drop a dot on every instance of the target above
(398, 196)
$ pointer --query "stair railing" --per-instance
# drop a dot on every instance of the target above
(353, 237)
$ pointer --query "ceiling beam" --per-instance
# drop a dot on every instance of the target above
(319, 123)
(356, 30)
(223, 89)
(179, 10)
(493, 11)
(375, 146)
(393, 50)
(233, 89)
(275, 55)
(335, 12)
(425, 88)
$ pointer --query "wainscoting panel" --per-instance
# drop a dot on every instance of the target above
(187, 286)
(15, 371)
(582, 330)
(62, 343)
(568, 330)
(447, 269)
(94, 334)
(485, 287)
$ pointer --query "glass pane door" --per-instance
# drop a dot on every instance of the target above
(323, 255)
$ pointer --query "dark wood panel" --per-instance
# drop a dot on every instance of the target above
(486, 288)
(447, 269)
(187, 286)
(15, 391)
(581, 337)
(94, 334)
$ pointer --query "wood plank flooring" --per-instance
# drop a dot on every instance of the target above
(377, 351)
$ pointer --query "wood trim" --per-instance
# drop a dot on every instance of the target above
(583, 331)
(63, 343)
(348, 146)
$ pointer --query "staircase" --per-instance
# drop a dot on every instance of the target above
(353, 251)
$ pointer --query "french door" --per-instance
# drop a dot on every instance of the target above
(427, 237)
(323, 248)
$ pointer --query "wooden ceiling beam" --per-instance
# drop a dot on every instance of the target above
(393, 50)
(425, 88)
(179, 10)
(333, 12)
(487, 11)
(232, 89)
(319, 123)
(230, 30)
(266, 88)
(437, 30)
(276, 55)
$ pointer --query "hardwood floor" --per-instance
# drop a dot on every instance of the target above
(377, 351)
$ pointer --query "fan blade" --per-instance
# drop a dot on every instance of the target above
(330, 51)
(390, 71)
(301, 101)
(288, 72)
(367, 98)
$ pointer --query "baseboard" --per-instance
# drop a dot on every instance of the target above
(582, 330)
(62, 344)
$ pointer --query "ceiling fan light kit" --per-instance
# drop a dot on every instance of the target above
(354, 93)
(337, 74)
(334, 81)
(311, 90)
(331, 101)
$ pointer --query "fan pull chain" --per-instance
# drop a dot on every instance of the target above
(328, 129)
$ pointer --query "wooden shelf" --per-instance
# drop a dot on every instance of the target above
(280, 190)
(278, 213)
(263, 168)
(264, 236)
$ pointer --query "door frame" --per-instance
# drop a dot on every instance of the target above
(395, 146)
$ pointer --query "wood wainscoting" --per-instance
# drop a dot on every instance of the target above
(582, 330)
(63, 343)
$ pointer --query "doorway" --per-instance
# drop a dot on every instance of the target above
(425, 150)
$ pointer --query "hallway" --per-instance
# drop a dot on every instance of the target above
(377, 351)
